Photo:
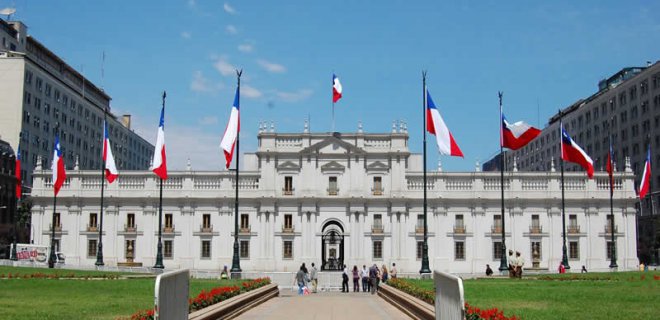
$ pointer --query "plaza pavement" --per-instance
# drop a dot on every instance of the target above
(324, 306)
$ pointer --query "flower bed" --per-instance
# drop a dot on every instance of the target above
(40, 275)
(428, 296)
(210, 297)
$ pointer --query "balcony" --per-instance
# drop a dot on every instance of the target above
(58, 227)
(168, 229)
(573, 229)
(246, 230)
(496, 229)
(208, 228)
(419, 228)
(535, 229)
(377, 228)
(377, 191)
(130, 228)
(460, 228)
(288, 229)
(92, 228)
(287, 192)
(333, 191)
(608, 228)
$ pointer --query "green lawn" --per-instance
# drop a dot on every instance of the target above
(79, 298)
(623, 295)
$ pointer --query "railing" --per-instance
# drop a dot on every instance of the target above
(496, 229)
(288, 229)
(608, 228)
(459, 228)
(130, 228)
(535, 229)
(377, 228)
(168, 229)
(246, 230)
(573, 228)
(333, 191)
(419, 229)
(92, 228)
(287, 192)
(377, 191)
(206, 229)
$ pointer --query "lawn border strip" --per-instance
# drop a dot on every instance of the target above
(410, 305)
(235, 306)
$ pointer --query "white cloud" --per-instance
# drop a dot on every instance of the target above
(297, 96)
(271, 67)
(231, 29)
(186, 35)
(228, 8)
(250, 92)
(224, 67)
(246, 47)
(208, 120)
(200, 83)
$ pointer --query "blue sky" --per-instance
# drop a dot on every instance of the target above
(543, 55)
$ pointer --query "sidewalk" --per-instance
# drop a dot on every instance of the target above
(325, 305)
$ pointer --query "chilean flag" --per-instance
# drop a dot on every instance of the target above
(111, 172)
(336, 89)
(610, 167)
(435, 125)
(59, 174)
(517, 135)
(160, 161)
(231, 132)
(17, 171)
(571, 152)
(644, 185)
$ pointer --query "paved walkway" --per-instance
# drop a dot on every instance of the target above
(325, 305)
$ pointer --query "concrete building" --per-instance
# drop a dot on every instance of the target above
(333, 199)
(627, 106)
(41, 94)
(7, 197)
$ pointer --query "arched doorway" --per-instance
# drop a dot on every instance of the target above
(332, 246)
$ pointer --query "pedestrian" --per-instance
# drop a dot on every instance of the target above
(304, 268)
(520, 262)
(489, 271)
(584, 269)
(378, 275)
(314, 274)
(384, 275)
(300, 280)
(373, 273)
(364, 274)
(561, 268)
(224, 274)
(344, 280)
(356, 279)
(393, 271)
(512, 265)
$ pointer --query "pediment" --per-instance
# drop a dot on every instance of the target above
(378, 166)
(288, 166)
(333, 166)
(333, 145)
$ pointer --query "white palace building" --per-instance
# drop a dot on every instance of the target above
(353, 198)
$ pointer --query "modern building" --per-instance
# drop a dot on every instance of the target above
(7, 196)
(627, 107)
(333, 199)
(41, 95)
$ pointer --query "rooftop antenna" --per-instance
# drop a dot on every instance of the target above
(102, 69)
(8, 12)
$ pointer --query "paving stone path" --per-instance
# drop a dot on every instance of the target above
(325, 305)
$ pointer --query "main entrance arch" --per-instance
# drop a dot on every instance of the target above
(332, 246)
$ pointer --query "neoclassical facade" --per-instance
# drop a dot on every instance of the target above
(353, 198)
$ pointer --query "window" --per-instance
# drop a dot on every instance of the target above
(378, 221)
(536, 251)
(420, 249)
(244, 249)
(167, 249)
(377, 249)
(288, 185)
(288, 221)
(497, 223)
(536, 224)
(287, 249)
(92, 246)
(459, 250)
(610, 247)
(572, 223)
(168, 221)
(206, 248)
(497, 250)
(130, 221)
(378, 186)
(245, 221)
(459, 226)
(92, 220)
(573, 250)
(332, 186)
(206, 221)
(58, 225)
(130, 249)
(420, 222)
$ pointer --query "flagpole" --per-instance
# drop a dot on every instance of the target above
(236, 260)
(99, 250)
(503, 263)
(13, 255)
(425, 247)
(333, 117)
(564, 256)
(613, 264)
(159, 253)
(51, 257)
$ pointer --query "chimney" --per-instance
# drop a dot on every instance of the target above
(126, 121)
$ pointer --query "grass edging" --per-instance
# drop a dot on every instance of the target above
(235, 306)
(410, 305)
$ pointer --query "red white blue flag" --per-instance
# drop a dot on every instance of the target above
(159, 166)
(59, 174)
(436, 126)
(571, 152)
(17, 172)
(645, 184)
(516, 135)
(111, 172)
(336, 89)
(231, 132)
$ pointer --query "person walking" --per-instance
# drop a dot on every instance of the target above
(300, 280)
(364, 274)
(512, 265)
(356, 279)
(373, 273)
(314, 274)
(378, 275)
(393, 271)
(384, 276)
(344, 280)
(520, 262)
